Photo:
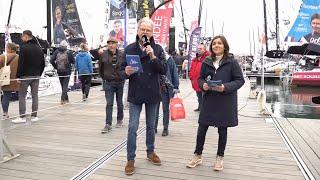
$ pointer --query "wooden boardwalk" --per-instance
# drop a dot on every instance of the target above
(305, 136)
(68, 139)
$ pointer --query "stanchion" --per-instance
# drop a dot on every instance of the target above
(4, 146)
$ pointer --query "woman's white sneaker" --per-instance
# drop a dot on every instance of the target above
(195, 161)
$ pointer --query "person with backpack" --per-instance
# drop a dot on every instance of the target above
(84, 68)
(10, 59)
(62, 60)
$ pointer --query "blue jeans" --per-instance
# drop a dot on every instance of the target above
(110, 90)
(165, 107)
(64, 82)
(134, 116)
(5, 101)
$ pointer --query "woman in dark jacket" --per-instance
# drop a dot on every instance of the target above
(220, 105)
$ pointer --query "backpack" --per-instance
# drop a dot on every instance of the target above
(62, 62)
(5, 72)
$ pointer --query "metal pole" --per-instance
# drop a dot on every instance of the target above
(200, 11)
(184, 26)
(265, 23)
(49, 21)
(9, 16)
(277, 25)
(125, 25)
(4, 145)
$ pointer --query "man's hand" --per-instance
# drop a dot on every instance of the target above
(129, 70)
(205, 87)
(150, 52)
(100, 51)
(219, 88)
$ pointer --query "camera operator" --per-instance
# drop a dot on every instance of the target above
(109, 67)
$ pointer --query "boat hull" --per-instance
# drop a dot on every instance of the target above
(306, 78)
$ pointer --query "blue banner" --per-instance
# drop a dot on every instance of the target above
(193, 45)
(306, 28)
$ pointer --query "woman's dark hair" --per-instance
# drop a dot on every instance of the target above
(315, 16)
(225, 44)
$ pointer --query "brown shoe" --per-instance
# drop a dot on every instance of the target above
(154, 159)
(218, 166)
(129, 169)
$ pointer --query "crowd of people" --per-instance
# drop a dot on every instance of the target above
(157, 82)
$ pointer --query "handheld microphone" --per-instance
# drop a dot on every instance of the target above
(145, 40)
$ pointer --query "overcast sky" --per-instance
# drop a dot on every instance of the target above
(236, 17)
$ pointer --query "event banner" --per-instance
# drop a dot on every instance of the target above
(161, 19)
(193, 45)
(66, 23)
(122, 19)
(306, 28)
(145, 8)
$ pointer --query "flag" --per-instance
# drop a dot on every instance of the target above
(161, 19)
(194, 42)
(7, 38)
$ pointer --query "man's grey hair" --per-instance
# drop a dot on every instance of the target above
(145, 20)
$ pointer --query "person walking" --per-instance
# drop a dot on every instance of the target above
(11, 59)
(169, 87)
(144, 88)
(30, 68)
(84, 68)
(195, 72)
(62, 60)
(220, 103)
(109, 69)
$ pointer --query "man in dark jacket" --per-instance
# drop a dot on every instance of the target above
(109, 68)
(144, 88)
(30, 67)
(169, 86)
(62, 60)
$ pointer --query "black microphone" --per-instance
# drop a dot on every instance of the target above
(145, 40)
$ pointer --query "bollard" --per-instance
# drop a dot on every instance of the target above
(262, 100)
(253, 88)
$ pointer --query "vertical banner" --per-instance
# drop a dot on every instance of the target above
(7, 39)
(306, 28)
(161, 19)
(145, 8)
(117, 21)
(194, 42)
(66, 23)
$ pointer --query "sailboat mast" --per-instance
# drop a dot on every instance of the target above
(9, 16)
(49, 21)
(200, 11)
(265, 23)
(184, 25)
(277, 25)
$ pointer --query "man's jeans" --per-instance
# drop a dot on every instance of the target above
(110, 90)
(165, 107)
(200, 96)
(134, 116)
(34, 84)
(64, 82)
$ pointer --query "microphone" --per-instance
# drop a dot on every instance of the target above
(145, 40)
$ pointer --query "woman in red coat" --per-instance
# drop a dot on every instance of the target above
(195, 71)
